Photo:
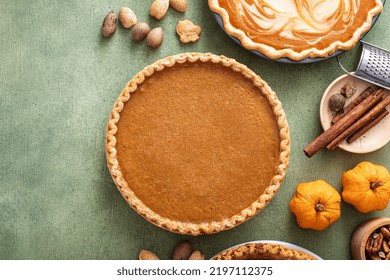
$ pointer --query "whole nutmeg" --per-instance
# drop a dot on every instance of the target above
(336, 102)
(109, 24)
(348, 89)
(155, 37)
(182, 250)
(140, 31)
(127, 17)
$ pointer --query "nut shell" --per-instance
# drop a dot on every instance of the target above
(188, 31)
(147, 255)
(127, 17)
(182, 250)
(159, 8)
(179, 5)
(196, 255)
(140, 31)
(109, 24)
(155, 37)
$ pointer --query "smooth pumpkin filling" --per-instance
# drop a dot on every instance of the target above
(197, 142)
(298, 24)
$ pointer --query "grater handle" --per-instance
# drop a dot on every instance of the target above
(360, 77)
(342, 67)
(360, 62)
(348, 72)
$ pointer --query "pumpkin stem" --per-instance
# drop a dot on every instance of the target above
(320, 207)
(376, 184)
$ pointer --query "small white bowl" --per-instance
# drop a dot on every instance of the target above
(372, 140)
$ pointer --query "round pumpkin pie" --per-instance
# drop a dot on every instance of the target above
(197, 143)
(263, 251)
(297, 29)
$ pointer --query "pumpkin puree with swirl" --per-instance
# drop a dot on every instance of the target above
(299, 25)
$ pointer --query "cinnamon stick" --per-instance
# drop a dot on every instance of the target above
(335, 130)
(360, 132)
(360, 122)
(367, 92)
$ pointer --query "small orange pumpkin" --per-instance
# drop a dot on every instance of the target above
(366, 187)
(316, 205)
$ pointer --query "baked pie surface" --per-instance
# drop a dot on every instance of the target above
(263, 251)
(197, 143)
(297, 29)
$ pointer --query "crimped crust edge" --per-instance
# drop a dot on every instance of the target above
(273, 53)
(186, 227)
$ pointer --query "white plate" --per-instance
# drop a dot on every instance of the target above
(282, 243)
(372, 140)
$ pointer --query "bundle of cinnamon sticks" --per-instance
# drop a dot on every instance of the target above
(360, 115)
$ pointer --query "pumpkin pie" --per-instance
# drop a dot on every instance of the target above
(197, 143)
(297, 29)
(263, 251)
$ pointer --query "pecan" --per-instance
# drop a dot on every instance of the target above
(369, 244)
(377, 244)
(385, 247)
(374, 257)
(386, 232)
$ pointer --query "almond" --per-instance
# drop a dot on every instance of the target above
(196, 255)
(127, 17)
(147, 255)
(179, 5)
(159, 8)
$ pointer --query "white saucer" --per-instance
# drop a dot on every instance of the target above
(372, 140)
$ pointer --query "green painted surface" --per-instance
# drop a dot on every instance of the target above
(58, 82)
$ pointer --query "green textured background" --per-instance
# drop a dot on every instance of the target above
(59, 80)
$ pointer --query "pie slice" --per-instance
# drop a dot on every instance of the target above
(197, 143)
(297, 29)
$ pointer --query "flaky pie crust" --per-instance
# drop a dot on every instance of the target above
(262, 251)
(273, 53)
(187, 227)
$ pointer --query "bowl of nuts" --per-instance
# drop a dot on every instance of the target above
(371, 240)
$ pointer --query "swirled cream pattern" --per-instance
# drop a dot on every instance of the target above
(297, 24)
